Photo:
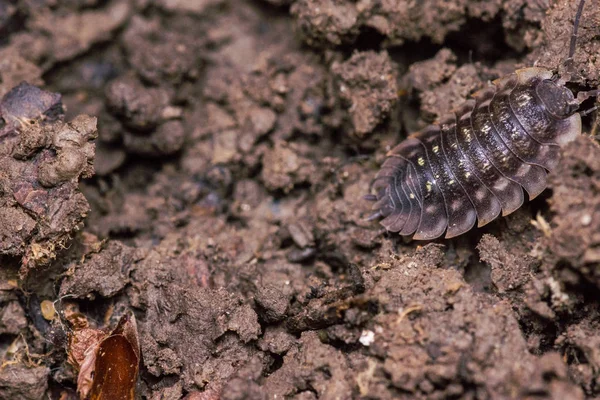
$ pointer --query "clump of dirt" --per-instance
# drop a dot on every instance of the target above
(367, 83)
(42, 159)
(227, 208)
(61, 34)
(14, 69)
(149, 116)
(574, 237)
(552, 48)
(21, 382)
(331, 23)
(442, 86)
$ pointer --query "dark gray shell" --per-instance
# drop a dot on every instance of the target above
(474, 165)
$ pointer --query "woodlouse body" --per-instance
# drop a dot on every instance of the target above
(473, 166)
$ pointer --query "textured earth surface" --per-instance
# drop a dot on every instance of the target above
(201, 164)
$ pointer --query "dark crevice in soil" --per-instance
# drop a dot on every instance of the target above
(485, 43)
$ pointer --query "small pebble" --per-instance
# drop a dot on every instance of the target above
(367, 338)
(48, 310)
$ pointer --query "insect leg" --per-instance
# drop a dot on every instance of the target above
(588, 111)
(583, 96)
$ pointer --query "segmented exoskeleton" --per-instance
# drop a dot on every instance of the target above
(474, 165)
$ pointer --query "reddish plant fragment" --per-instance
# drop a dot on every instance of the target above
(109, 365)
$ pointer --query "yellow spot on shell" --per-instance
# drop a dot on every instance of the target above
(428, 185)
(421, 161)
(436, 149)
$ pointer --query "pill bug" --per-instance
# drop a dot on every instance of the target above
(473, 166)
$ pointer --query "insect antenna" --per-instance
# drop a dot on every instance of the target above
(574, 35)
(568, 63)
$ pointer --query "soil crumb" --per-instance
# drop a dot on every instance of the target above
(201, 165)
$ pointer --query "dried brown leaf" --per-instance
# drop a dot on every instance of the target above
(108, 363)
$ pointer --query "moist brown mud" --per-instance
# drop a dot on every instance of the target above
(202, 164)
